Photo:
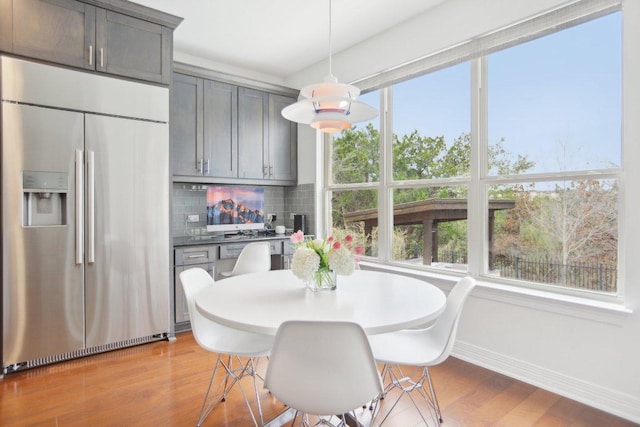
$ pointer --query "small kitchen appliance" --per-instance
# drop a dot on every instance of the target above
(300, 223)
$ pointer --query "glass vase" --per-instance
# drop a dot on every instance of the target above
(323, 280)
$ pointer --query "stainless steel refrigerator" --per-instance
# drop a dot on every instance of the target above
(85, 220)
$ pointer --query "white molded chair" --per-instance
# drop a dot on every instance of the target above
(254, 258)
(424, 347)
(228, 343)
(323, 369)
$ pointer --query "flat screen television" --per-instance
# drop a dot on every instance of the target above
(233, 208)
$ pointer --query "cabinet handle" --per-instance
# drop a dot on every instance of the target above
(270, 171)
(101, 58)
(265, 171)
(206, 167)
(199, 165)
(90, 54)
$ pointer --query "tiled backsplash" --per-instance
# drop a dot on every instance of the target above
(190, 199)
(301, 200)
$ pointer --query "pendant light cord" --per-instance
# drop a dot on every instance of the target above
(330, 42)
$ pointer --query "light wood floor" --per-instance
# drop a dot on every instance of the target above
(162, 384)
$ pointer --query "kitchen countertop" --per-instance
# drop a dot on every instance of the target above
(220, 240)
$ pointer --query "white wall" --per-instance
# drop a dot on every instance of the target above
(449, 23)
(222, 67)
(591, 354)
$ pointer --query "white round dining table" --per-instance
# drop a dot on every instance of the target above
(378, 301)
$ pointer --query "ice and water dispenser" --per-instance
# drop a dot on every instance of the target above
(44, 198)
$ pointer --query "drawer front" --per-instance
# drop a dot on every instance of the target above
(276, 247)
(181, 307)
(232, 250)
(195, 255)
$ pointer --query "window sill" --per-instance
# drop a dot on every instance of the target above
(585, 308)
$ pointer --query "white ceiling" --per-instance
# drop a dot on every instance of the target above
(279, 37)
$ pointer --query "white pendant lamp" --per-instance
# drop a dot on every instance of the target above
(329, 106)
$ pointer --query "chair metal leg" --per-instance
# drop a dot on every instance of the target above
(232, 376)
(434, 397)
(226, 380)
(252, 364)
(206, 409)
(246, 369)
(407, 386)
(344, 420)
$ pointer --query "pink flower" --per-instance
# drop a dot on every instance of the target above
(330, 239)
(336, 245)
(358, 250)
(297, 237)
(348, 239)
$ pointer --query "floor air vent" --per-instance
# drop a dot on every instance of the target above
(81, 353)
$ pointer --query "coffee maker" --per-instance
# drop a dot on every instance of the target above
(300, 223)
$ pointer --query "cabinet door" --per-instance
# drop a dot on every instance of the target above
(185, 122)
(6, 25)
(132, 47)
(61, 31)
(253, 132)
(283, 135)
(220, 129)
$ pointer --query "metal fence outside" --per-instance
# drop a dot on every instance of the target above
(593, 276)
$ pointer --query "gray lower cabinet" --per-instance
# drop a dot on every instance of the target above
(185, 258)
(231, 133)
(215, 259)
(80, 35)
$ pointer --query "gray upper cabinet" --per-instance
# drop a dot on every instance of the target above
(186, 123)
(267, 141)
(82, 35)
(253, 134)
(283, 137)
(228, 134)
(220, 129)
(204, 131)
(61, 31)
(6, 25)
(132, 47)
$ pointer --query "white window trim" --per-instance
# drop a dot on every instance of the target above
(581, 301)
(575, 306)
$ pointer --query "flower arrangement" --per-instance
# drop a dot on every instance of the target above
(317, 261)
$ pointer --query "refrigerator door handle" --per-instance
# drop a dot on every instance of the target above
(79, 207)
(91, 212)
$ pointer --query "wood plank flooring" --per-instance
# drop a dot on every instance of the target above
(162, 384)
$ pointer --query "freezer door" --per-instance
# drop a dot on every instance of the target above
(42, 285)
(128, 267)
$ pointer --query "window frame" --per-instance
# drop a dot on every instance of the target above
(475, 51)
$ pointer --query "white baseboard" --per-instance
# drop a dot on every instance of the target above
(608, 400)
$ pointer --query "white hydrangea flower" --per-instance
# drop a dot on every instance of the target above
(305, 262)
(341, 261)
